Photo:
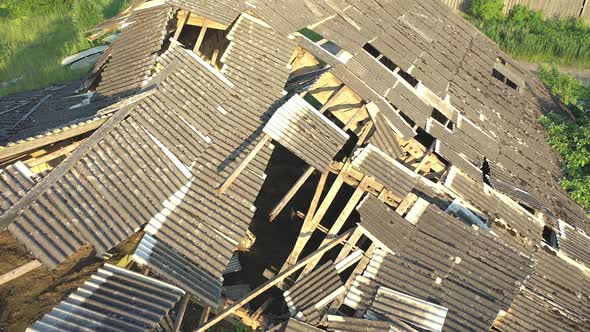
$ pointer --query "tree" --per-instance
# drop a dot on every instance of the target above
(487, 10)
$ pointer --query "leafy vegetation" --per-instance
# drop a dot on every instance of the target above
(37, 34)
(527, 35)
(570, 137)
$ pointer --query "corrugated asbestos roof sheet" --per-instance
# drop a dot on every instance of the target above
(350, 324)
(33, 113)
(293, 325)
(303, 130)
(395, 305)
(472, 273)
(575, 243)
(133, 55)
(114, 299)
(391, 173)
(172, 266)
(305, 297)
(15, 181)
(453, 63)
(556, 298)
(224, 11)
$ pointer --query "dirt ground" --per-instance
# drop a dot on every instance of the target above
(28, 298)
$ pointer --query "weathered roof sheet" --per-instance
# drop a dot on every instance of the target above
(386, 170)
(224, 11)
(293, 325)
(133, 55)
(574, 243)
(172, 266)
(350, 324)
(307, 295)
(423, 314)
(33, 113)
(472, 273)
(300, 128)
(113, 299)
(15, 181)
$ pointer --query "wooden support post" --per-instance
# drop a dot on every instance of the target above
(349, 245)
(180, 316)
(337, 226)
(201, 37)
(244, 163)
(269, 284)
(181, 24)
(204, 315)
(357, 270)
(313, 220)
(19, 271)
(277, 210)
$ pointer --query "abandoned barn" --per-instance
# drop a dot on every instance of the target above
(316, 165)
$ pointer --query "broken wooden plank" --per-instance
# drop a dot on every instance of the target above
(201, 37)
(180, 315)
(181, 22)
(313, 218)
(53, 155)
(279, 207)
(350, 244)
(339, 223)
(19, 271)
(269, 284)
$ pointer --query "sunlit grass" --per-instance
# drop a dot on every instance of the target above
(32, 47)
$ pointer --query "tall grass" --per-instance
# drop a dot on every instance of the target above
(526, 35)
(35, 35)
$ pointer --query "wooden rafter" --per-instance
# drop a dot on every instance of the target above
(287, 198)
(271, 283)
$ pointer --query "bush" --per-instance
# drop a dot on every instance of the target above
(570, 137)
(487, 10)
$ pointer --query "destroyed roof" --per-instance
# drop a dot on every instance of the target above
(299, 127)
(160, 160)
(112, 299)
(472, 273)
(131, 58)
(29, 114)
(293, 325)
(308, 295)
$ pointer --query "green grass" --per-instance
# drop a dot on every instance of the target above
(526, 35)
(37, 34)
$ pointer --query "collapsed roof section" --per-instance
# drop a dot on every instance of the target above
(113, 299)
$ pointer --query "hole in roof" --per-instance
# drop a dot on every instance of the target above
(467, 215)
(424, 138)
(500, 77)
(371, 50)
(442, 119)
(388, 63)
(528, 208)
(550, 237)
(485, 170)
(406, 118)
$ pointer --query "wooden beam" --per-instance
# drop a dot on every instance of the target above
(332, 100)
(406, 204)
(19, 271)
(265, 139)
(53, 155)
(350, 244)
(311, 222)
(269, 284)
(27, 146)
(180, 316)
(279, 207)
(204, 315)
(339, 223)
(200, 38)
(181, 22)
